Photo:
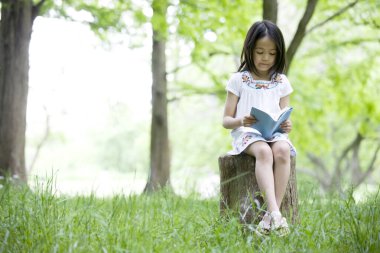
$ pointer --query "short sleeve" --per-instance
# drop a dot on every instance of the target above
(234, 85)
(286, 87)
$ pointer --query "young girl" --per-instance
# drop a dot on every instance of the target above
(260, 83)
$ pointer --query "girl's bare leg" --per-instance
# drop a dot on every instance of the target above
(281, 155)
(264, 172)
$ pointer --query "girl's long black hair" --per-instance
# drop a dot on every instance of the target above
(257, 31)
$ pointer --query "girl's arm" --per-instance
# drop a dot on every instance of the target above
(287, 125)
(229, 120)
(284, 102)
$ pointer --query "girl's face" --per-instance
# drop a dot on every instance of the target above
(264, 56)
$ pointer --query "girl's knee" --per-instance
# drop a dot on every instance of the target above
(281, 151)
(261, 151)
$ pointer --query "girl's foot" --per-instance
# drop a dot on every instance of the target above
(279, 224)
(264, 226)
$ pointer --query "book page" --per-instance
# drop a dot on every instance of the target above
(266, 124)
(278, 115)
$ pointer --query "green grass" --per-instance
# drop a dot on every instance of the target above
(40, 221)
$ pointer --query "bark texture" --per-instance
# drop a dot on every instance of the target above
(241, 194)
(16, 24)
(159, 176)
(270, 10)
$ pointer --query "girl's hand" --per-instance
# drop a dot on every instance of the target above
(248, 120)
(286, 126)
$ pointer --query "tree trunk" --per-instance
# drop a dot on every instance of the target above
(240, 191)
(17, 18)
(270, 10)
(159, 147)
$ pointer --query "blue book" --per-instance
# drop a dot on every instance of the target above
(268, 125)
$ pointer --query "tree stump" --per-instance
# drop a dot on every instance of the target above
(240, 192)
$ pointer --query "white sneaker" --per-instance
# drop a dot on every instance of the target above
(279, 224)
(264, 226)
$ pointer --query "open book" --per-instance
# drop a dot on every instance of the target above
(267, 124)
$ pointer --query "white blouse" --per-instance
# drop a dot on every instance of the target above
(264, 95)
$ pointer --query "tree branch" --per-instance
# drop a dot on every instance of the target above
(36, 9)
(195, 91)
(370, 167)
(337, 171)
(336, 14)
(178, 68)
(301, 31)
(354, 143)
(210, 54)
(372, 23)
(318, 162)
(355, 162)
(355, 42)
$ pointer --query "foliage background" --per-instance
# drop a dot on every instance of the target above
(334, 75)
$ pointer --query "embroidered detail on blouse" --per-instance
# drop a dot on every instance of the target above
(246, 139)
(261, 84)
